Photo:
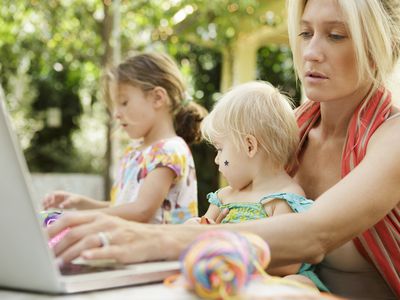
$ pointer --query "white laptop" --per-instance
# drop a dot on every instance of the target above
(26, 262)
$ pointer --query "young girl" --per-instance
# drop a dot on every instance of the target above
(255, 133)
(156, 180)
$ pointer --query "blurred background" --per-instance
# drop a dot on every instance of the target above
(53, 54)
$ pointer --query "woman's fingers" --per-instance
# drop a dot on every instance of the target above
(83, 234)
(124, 245)
(69, 219)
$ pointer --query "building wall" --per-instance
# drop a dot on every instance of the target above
(84, 184)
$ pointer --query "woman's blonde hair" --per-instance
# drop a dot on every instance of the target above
(149, 70)
(259, 109)
(374, 28)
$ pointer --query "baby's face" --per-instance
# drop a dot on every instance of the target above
(233, 163)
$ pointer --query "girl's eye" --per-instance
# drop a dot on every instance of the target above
(305, 34)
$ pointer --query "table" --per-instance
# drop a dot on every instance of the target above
(176, 292)
(149, 291)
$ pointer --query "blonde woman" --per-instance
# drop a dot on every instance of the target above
(348, 161)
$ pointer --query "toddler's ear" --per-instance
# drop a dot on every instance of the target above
(252, 145)
(160, 97)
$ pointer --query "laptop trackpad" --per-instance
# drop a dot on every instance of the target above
(82, 266)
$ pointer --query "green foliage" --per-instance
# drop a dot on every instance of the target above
(51, 63)
(275, 65)
(205, 78)
(52, 53)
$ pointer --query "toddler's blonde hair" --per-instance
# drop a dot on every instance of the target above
(259, 109)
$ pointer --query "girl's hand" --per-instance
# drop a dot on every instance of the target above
(65, 200)
(126, 241)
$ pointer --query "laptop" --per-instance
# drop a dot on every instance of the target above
(26, 261)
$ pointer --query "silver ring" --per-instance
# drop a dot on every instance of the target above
(104, 239)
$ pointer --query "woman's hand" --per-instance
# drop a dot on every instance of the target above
(126, 241)
(65, 200)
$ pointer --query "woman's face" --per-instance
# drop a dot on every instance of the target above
(329, 68)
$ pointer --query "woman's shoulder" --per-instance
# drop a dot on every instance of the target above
(387, 132)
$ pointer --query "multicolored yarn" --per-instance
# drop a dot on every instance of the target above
(218, 264)
(49, 217)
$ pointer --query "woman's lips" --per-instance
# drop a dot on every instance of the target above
(315, 77)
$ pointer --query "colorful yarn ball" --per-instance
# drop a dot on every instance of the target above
(49, 217)
(218, 264)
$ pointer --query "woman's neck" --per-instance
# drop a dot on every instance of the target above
(336, 115)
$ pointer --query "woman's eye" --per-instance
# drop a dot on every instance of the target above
(336, 37)
(124, 103)
(305, 34)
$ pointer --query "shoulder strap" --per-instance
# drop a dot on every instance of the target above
(213, 198)
(296, 202)
(394, 116)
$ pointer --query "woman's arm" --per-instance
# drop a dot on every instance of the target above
(348, 208)
(274, 208)
(151, 195)
(354, 204)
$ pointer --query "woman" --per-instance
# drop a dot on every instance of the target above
(349, 162)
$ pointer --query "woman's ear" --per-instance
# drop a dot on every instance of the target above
(251, 145)
(159, 97)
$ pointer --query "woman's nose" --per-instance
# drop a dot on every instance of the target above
(313, 49)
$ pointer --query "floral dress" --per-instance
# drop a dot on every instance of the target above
(181, 202)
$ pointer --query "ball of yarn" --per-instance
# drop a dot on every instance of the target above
(218, 264)
(49, 217)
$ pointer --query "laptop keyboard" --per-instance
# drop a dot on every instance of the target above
(75, 269)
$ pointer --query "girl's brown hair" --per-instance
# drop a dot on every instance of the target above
(149, 70)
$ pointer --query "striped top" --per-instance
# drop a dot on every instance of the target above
(380, 243)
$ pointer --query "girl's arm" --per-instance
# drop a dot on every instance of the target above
(154, 190)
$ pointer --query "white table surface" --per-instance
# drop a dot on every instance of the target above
(150, 291)
(176, 292)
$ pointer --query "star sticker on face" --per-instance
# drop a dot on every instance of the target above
(226, 163)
